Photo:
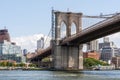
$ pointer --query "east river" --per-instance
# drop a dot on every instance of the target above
(59, 75)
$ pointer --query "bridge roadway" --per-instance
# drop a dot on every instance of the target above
(101, 29)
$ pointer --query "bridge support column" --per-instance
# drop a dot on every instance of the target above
(73, 58)
(60, 58)
(68, 57)
(80, 66)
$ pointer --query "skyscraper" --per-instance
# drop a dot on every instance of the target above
(40, 43)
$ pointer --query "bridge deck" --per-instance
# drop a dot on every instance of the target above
(43, 53)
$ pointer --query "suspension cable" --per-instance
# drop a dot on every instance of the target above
(47, 37)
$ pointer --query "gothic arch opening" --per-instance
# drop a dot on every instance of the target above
(63, 29)
(73, 28)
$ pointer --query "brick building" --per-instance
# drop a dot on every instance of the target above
(91, 54)
(4, 35)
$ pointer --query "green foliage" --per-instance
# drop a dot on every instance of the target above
(21, 65)
(3, 64)
(13, 64)
(46, 59)
(32, 65)
(9, 64)
(89, 62)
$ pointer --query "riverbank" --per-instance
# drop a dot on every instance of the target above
(20, 68)
(49, 69)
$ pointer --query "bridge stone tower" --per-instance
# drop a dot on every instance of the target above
(67, 57)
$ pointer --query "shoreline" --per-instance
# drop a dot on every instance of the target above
(49, 69)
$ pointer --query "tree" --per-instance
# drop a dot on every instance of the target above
(32, 65)
(89, 62)
(47, 59)
(21, 65)
(9, 64)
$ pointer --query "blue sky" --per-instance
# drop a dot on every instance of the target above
(27, 20)
(28, 17)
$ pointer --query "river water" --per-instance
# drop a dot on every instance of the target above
(59, 75)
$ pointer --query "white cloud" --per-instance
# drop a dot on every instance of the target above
(30, 42)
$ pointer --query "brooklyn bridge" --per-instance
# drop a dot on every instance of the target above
(66, 53)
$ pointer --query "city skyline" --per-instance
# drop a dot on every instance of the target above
(28, 18)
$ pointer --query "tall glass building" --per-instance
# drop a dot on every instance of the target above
(10, 51)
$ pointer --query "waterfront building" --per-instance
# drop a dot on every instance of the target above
(91, 54)
(9, 50)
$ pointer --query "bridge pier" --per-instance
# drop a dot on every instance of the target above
(68, 57)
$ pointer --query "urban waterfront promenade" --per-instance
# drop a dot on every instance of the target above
(58, 75)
